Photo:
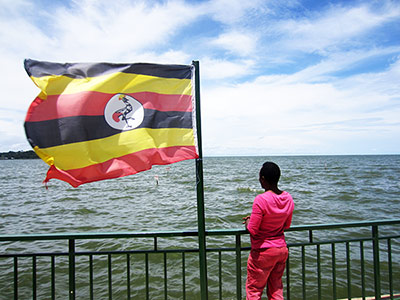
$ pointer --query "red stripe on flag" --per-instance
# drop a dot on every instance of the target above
(31, 114)
(122, 166)
(93, 104)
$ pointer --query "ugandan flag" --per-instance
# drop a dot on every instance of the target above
(95, 121)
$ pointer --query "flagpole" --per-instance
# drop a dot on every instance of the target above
(200, 192)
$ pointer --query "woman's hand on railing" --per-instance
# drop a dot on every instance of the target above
(246, 221)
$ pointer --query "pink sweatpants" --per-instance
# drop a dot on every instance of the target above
(265, 267)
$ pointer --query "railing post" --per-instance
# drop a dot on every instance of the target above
(34, 278)
(303, 271)
(128, 276)
(183, 277)
(91, 281)
(362, 269)
(288, 276)
(165, 277)
(333, 271)
(109, 277)
(238, 268)
(53, 277)
(147, 276)
(16, 277)
(389, 249)
(348, 267)
(377, 272)
(71, 253)
(319, 281)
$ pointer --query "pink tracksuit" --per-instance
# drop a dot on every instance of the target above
(271, 214)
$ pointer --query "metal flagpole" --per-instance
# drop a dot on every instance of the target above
(200, 192)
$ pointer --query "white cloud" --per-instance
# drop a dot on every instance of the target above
(333, 28)
(119, 28)
(171, 56)
(18, 35)
(385, 83)
(93, 30)
(12, 134)
(232, 11)
(239, 43)
(212, 69)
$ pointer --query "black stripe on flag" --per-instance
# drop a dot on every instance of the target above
(82, 70)
(75, 129)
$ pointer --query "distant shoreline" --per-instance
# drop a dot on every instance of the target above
(30, 154)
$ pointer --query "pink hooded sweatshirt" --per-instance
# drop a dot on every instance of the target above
(270, 216)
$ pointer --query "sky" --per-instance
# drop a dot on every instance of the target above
(277, 77)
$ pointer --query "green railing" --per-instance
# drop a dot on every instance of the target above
(331, 261)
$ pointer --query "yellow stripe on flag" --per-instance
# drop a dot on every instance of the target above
(112, 84)
(83, 154)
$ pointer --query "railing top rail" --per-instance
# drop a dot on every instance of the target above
(93, 235)
(313, 226)
(213, 232)
(344, 225)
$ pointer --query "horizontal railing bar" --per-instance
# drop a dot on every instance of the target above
(99, 253)
(193, 249)
(213, 232)
(342, 241)
(227, 249)
(158, 251)
(94, 235)
(311, 227)
(32, 254)
(344, 225)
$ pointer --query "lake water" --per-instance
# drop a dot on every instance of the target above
(326, 189)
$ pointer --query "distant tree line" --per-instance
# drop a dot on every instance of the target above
(18, 155)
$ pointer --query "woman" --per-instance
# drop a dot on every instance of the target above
(271, 215)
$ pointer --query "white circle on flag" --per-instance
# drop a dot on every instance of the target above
(123, 112)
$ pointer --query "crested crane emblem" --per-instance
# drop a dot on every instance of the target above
(123, 112)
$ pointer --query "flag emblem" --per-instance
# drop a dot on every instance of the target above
(124, 112)
(96, 121)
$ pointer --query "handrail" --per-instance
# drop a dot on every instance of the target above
(211, 232)
(344, 225)
(93, 235)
